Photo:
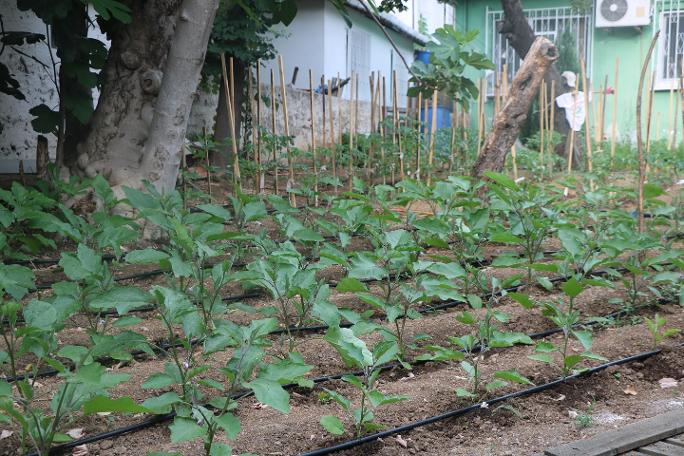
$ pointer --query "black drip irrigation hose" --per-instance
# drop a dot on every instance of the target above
(291, 329)
(475, 407)
(158, 419)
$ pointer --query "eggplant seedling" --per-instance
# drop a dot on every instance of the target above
(355, 353)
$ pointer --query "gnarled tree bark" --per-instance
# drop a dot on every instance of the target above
(138, 129)
(507, 123)
(517, 30)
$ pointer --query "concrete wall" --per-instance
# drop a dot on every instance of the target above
(299, 112)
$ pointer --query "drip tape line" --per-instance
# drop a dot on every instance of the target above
(472, 408)
(157, 419)
(293, 329)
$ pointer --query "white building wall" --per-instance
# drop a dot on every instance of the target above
(382, 58)
(17, 138)
(301, 45)
(436, 14)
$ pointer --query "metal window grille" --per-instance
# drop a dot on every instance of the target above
(359, 57)
(670, 51)
(548, 22)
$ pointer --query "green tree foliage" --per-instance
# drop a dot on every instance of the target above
(449, 59)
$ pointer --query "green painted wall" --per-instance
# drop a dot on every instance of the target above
(629, 44)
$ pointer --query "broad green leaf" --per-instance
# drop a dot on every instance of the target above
(270, 393)
(584, 337)
(572, 287)
(512, 376)
(522, 299)
(40, 314)
(105, 404)
(351, 285)
(332, 424)
(185, 429)
(145, 256)
(352, 349)
(162, 404)
(229, 423)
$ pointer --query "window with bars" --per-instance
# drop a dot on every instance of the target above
(548, 22)
(359, 56)
(671, 48)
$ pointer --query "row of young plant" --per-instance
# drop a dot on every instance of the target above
(190, 307)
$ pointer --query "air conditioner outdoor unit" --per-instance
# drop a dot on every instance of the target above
(623, 13)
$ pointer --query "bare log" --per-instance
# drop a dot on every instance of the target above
(517, 30)
(507, 123)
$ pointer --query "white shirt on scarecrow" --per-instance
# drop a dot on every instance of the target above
(572, 102)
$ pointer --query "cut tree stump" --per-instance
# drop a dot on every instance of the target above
(509, 120)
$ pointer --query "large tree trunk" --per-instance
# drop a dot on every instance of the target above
(68, 35)
(520, 36)
(153, 69)
(132, 80)
(221, 156)
(513, 114)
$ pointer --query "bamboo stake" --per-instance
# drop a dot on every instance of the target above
(250, 107)
(273, 132)
(433, 131)
(452, 139)
(383, 114)
(331, 116)
(640, 146)
(551, 124)
(571, 149)
(675, 126)
(351, 133)
(420, 134)
(397, 124)
(480, 117)
(207, 163)
(260, 173)
(604, 94)
(290, 164)
(324, 124)
(339, 127)
(313, 136)
(649, 112)
(613, 132)
(542, 89)
(369, 159)
(231, 123)
(669, 119)
(587, 120)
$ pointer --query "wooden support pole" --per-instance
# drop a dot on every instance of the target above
(231, 124)
(587, 122)
(383, 115)
(313, 137)
(290, 161)
(420, 134)
(613, 130)
(542, 89)
(259, 171)
(371, 130)
(640, 146)
(350, 167)
(551, 125)
(274, 133)
(433, 133)
(397, 125)
(506, 125)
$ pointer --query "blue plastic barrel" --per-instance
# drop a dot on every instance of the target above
(443, 118)
(423, 56)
